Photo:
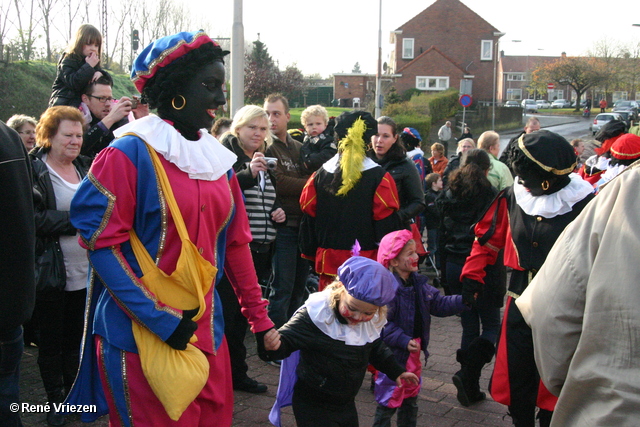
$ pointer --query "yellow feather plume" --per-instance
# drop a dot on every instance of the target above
(352, 149)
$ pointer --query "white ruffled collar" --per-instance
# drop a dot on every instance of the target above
(552, 205)
(323, 316)
(331, 165)
(205, 159)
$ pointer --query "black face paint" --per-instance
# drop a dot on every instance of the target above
(203, 95)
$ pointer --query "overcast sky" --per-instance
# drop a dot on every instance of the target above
(330, 36)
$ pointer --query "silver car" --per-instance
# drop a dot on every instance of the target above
(603, 118)
(543, 103)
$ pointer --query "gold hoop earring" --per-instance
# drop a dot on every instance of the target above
(173, 103)
(545, 185)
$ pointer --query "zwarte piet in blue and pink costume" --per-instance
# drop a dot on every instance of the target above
(122, 193)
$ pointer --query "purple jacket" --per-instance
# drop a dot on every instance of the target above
(401, 313)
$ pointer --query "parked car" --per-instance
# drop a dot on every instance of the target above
(603, 118)
(561, 103)
(511, 104)
(631, 106)
(529, 106)
(543, 103)
(627, 117)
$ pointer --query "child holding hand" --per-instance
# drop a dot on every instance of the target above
(79, 66)
(338, 334)
(409, 322)
(318, 145)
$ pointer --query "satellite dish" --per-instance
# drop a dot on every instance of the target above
(384, 67)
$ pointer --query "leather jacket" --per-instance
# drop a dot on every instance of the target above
(50, 222)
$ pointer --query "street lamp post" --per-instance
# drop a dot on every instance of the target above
(379, 68)
(495, 70)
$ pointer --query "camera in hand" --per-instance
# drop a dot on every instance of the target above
(272, 162)
(135, 100)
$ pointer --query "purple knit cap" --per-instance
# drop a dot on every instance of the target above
(368, 281)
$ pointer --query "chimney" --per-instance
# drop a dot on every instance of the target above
(564, 55)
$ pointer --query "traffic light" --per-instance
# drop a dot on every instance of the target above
(134, 40)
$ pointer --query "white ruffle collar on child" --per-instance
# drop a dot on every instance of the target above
(323, 316)
(205, 159)
(552, 205)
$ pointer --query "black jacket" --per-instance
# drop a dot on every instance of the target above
(454, 163)
(316, 151)
(457, 220)
(50, 222)
(74, 74)
(407, 179)
(329, 367)
(97, 137)
(431, 214)
(17, 240)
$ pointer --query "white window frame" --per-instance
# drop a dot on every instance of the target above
(486, 50)
(516, 77)
(405, 48)
(432, 83)
(514, 94)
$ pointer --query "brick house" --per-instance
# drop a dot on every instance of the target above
(443, 45)
(514, 78)
(353, 89)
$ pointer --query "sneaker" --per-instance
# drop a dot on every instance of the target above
(250, 386)
(275, 363)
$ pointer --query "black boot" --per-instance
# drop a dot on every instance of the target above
(467, 379)
(55, 418)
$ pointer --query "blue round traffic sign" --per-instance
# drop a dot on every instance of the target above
(466, 100)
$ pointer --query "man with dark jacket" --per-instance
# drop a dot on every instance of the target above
(107, 115)
(17, 253)
(290, 269)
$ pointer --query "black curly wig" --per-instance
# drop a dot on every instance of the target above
(171, 79)
(525, 167)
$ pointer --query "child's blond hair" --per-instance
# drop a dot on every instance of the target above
(314, 110)
(336, 289)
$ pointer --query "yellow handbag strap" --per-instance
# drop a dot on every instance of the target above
(144, 259)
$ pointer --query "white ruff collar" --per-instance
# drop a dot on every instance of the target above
(551, 205)
(323, 317)
(205, 159)
(331, 165)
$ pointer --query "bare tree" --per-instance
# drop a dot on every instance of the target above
(5, 10)
(26, 36)
(47, 9)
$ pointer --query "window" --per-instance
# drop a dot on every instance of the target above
(486, 51)
(516, 77)
(407, 48)
(514, 94)
(432, 83)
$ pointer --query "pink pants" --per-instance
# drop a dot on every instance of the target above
(132, 403)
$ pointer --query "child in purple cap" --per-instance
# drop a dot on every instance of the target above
(337, 333)
(407, 329)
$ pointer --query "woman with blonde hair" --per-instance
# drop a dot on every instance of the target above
(247, 138)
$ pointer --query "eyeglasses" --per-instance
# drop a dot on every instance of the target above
(27, 132)
(103, 99)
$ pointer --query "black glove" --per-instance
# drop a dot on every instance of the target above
(185, 330)
(262, 352)
(470, 291)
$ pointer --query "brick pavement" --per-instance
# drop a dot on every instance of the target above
(437, 403)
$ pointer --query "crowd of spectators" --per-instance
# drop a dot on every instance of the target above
(297, 211)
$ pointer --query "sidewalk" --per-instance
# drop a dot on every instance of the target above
(437, 403)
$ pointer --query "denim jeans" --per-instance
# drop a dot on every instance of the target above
(290, 276)
(483, 313)
(11, 346)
